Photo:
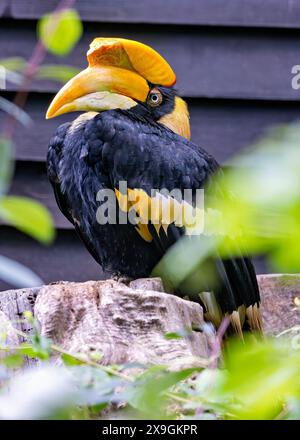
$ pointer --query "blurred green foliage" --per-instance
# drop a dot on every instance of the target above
(23, 213)
(16, 64)
(6, 165)
(56, 73)
(15, 68)
(258, 380)
(28, 216)
(60, 31)
(251, 207)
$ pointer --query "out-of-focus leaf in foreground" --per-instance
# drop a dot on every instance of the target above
(60, 31)
(252, 207)
(260, 379)
(28, 216)
(16, 66)
(6, 164)
(57, 73)
(147, 395)
(47, 392)
(14, 63)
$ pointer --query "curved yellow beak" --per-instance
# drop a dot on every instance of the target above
(100, 88)
(118, 76)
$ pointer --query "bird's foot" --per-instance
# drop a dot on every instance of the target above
(122, 278)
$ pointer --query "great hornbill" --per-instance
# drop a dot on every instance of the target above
(135, 129)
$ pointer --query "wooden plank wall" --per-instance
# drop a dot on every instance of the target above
(233, 60)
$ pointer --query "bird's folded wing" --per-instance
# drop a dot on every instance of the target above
(156, 216)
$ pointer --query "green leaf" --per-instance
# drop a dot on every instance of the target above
(173, 335)
(96, 409)
(6, 164)
(261, 376)
(60, 31)
(13, 360)
(29, 316)
(147, 393)
(96, 356)
(29, 216)
(27, 350)
(70, 360)
(15, 63)
(57, 73)
(41, 346)
(180, 334)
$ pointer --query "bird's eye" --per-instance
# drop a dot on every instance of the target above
(154, 98)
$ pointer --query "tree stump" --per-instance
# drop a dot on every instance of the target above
(279, 295)
(128, 323)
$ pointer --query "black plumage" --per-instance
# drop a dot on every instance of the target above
(97, 151)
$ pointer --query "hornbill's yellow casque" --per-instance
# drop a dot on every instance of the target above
(136, 129)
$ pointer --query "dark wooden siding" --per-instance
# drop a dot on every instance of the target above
(210, 62)
(222, 126)
(254, 13)
(65, 260)
(233, 59)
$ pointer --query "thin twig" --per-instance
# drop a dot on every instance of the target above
(90, 363)
(31, 68)
(217, 345)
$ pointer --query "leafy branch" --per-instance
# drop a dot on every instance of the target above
(258, 380)
(58, 33)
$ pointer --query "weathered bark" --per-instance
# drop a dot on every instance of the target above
(128, 323)
(278, 293)
(124, 323)
(13, 303)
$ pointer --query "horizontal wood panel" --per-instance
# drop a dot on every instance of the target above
(222, 127)
(210, 63)
(3, 6)
(67, 259)
(276, 13)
